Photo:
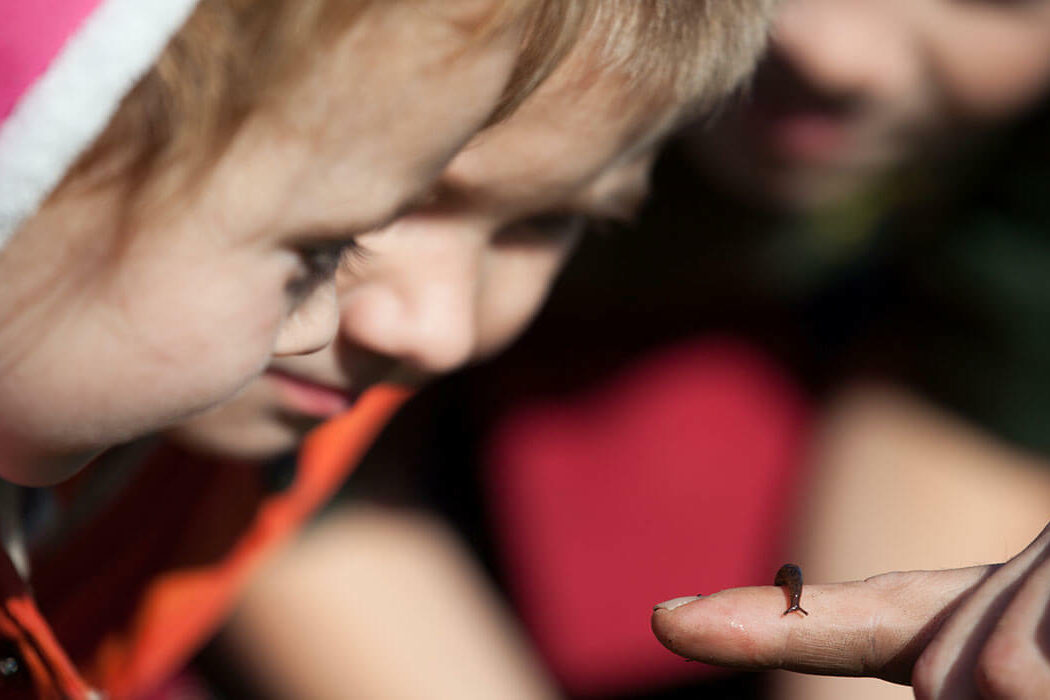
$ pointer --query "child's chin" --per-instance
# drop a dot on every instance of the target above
(257, 440)
(38, 469)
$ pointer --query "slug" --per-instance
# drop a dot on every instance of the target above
(790, 575)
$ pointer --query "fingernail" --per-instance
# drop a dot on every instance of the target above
(676, 602)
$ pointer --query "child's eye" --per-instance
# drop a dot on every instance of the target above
(320, 262)
(560, 224)
(322, 259)
(548, 226)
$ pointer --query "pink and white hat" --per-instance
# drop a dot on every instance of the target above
(65, 65)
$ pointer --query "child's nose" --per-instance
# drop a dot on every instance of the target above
(428, 324)
(312, 326)
(848, 50)
(439, 337)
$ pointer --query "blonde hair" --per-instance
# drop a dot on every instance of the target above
(691, 52)
(232, 54)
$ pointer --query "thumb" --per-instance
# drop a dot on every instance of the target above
(877, 627)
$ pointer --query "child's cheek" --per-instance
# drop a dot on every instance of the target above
(202, 331)
(234, 349)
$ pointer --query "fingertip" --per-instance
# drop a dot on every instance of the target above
(669, 629)
(726, 628)
(675, 602)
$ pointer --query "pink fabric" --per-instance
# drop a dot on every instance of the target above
(673, 478)
(32, 33)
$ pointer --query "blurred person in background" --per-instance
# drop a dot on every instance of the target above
(893, 159)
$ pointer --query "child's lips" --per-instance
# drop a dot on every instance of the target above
(788, 121)
(805, 134)
(310, 398)
(808, 137)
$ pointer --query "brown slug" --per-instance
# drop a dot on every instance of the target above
(790, 575)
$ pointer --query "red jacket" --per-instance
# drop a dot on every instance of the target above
(125, 602)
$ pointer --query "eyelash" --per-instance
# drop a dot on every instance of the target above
(321, 261)
(609, 226)
(557, 225)
(600, 224)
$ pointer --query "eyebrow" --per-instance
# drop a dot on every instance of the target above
(418, 201)
(331, 229)
(622, 203)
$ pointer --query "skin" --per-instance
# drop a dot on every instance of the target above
(211, 290)
(854, 90)
(460, 277)
(411, 583)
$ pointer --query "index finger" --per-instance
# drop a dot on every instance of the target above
(876, 627)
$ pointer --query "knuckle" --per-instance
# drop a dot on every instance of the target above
(1002, 668)
(880, 645)
(872, 646)
(927, 674)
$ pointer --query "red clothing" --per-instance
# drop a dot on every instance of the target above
(131, 596)
(676, 474)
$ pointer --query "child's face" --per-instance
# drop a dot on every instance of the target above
(461, 277)
(208, 291)
(853, 88)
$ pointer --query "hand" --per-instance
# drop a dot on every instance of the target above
(982, 631)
